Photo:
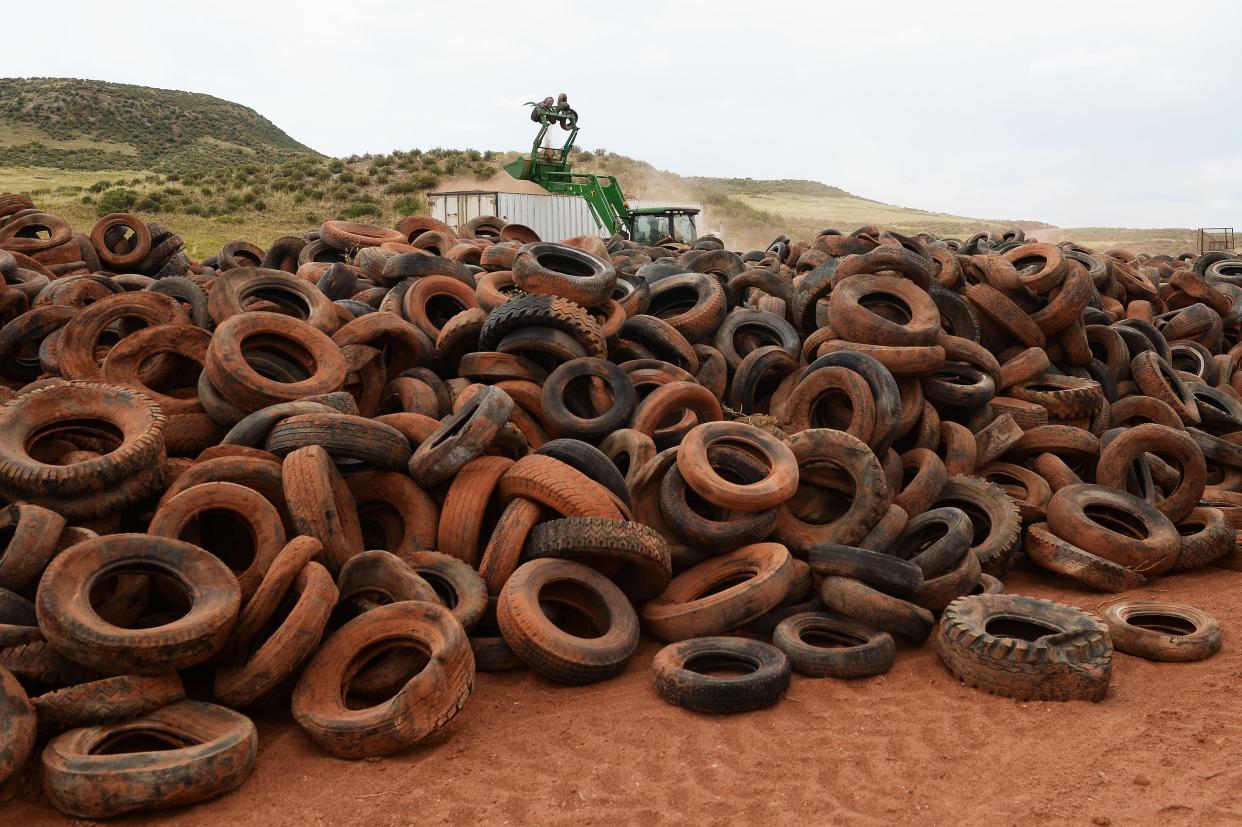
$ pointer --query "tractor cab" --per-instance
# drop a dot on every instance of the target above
(657, 225)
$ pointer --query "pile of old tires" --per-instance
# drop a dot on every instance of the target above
(346, 473)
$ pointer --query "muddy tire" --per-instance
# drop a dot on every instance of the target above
(1025, 648)
(823, 646)
(209, 750)
(425, 703)
(682, 680)
(1162, 631)
(610, 631)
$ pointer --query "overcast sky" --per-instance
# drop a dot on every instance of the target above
(1079, 113)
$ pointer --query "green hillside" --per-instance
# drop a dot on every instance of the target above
(92, 125)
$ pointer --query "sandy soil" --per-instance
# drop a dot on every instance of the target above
(912, 746)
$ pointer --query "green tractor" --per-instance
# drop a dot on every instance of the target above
(550, 168)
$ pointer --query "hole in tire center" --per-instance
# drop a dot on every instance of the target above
(921, 539)
(1190, 526)
(225, 534)
(139, 740)
(1010, 484)
(283, 300)
(1188, 362)
(886, 306)
(1116, 520)
(382, 526)
(270, 355)
(564, 264)
(673, 302)
(823, 638)
(834, 409)
(182, 372)
(440, 307)
(151, 596)
(1020, 628)
(87, 434)
(443, 587)
(724, 583)
(588, 396)
(575, 609)
(381, 670)
(1165, 624)
(721, 664)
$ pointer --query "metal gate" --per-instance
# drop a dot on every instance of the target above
(1216, 238)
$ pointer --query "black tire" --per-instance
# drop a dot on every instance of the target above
(957, 317)
(337, 282)
(771, 330)
(679, 682)
(1206, 260)
(935, 540)
(590, 461)
(877, 569)
(848, 649)
(735, 530)
(186, 292)
(884, 391)
(538, 310)
(561, 420)
(994, 643)
(344, 437)
(634, 556)
(873, 608)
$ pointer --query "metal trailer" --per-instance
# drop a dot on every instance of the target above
(553, 217)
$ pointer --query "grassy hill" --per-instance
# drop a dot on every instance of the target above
(92, 125)
(215, 171)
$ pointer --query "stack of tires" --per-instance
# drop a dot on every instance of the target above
(347, 473)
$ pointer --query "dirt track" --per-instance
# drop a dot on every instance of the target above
(913, 746)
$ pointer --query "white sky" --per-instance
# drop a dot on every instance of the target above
(1080, 113)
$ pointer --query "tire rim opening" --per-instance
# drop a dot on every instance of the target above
(575, 609)
(1163, 623)
(721, 665)
(1116, 520)
(140, 740)
(224, 533)
(1020, 628)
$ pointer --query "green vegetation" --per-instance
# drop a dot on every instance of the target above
(253, 200)
(92, 125)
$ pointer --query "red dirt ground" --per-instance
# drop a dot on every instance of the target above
(912, 746)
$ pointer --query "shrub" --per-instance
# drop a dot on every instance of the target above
(360, 209)
(410, 206)
(116, 200)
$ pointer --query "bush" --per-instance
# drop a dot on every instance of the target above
(116, 200)
(410, 206)
(360, 209)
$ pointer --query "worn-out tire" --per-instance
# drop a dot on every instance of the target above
(1074, 664)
